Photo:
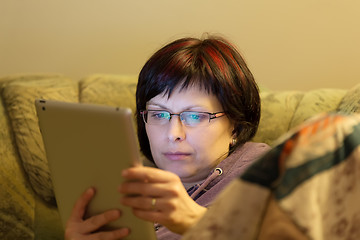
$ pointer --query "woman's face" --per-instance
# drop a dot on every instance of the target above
(189, 152)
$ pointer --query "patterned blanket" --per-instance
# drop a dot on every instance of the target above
(306, 187)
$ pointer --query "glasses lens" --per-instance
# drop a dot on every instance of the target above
(194, 118)
(157, 117)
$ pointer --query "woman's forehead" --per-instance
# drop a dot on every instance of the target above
(190, 97)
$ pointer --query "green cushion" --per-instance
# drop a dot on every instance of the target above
(16, 195)
(19, 96)
(277, 111)
(351, 101)
(112, 90)
(315, 102)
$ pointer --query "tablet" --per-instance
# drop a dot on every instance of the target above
(88, 145)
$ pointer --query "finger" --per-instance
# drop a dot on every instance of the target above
(81, 205)
(95, 222)
(151, 216)
(143, 203)
(145, 189)
(168, 189)
(164, 205)
(149, 174)
(110, 235)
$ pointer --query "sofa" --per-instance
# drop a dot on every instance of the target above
(27, 203)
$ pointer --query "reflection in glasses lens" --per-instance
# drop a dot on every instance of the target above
(188, 118)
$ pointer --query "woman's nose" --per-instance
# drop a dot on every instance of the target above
(176, 131)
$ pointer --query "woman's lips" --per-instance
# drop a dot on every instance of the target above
(176, 156)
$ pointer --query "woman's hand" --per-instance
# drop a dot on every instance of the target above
(79, 229)
(159, 196)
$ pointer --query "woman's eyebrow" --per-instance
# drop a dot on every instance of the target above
(156, 105)
(187, 108)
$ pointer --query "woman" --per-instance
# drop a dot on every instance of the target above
(197, 108)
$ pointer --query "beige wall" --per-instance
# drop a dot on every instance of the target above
(288, 44)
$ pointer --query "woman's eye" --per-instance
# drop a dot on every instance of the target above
(196, 117)
(159, 115)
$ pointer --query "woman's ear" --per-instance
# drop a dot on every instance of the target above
(233, 140)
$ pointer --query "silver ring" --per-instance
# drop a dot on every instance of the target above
(153, 203)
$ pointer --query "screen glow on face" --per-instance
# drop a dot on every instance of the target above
(188, 118)
(191, 143)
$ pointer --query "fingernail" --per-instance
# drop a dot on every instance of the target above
(118, 213)
(91, 190)
(124, 173)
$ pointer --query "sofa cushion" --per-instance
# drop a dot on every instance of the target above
(112, 90)
(19, 96)
(48, 224)
(315, 102)
(277, 111)
(282, 111)
(351, 101)
(16, 196)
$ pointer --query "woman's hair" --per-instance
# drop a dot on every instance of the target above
(212, 64)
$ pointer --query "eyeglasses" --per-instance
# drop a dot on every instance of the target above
(188, 118)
